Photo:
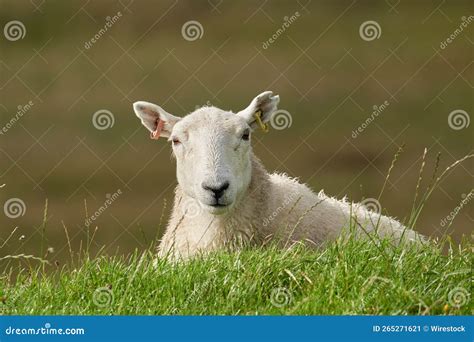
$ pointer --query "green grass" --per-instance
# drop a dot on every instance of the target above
(348, 277)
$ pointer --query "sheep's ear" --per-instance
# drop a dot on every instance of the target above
(266, 103)
(159, 122)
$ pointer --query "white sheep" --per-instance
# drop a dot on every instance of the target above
(225, 198)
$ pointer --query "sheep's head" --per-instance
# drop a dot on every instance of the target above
(212, 148)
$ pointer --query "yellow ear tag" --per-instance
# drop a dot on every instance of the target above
(258, 118)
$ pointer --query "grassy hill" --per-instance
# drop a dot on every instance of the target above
(347, 277)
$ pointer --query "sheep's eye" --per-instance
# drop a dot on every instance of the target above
(176, 141)
(246, 135)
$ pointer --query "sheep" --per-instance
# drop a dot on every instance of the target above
(226, 199)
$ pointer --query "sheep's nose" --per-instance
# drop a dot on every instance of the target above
(218, 190)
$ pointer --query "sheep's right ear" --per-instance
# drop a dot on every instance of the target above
(159, 122)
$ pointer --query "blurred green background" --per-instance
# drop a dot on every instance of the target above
(328, 78)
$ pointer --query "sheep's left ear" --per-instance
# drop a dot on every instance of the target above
(158, 121)
(266, 103)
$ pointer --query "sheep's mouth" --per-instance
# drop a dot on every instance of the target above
(218, 208)
(218, 205)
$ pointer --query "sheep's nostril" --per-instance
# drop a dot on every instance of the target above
(218, 190)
